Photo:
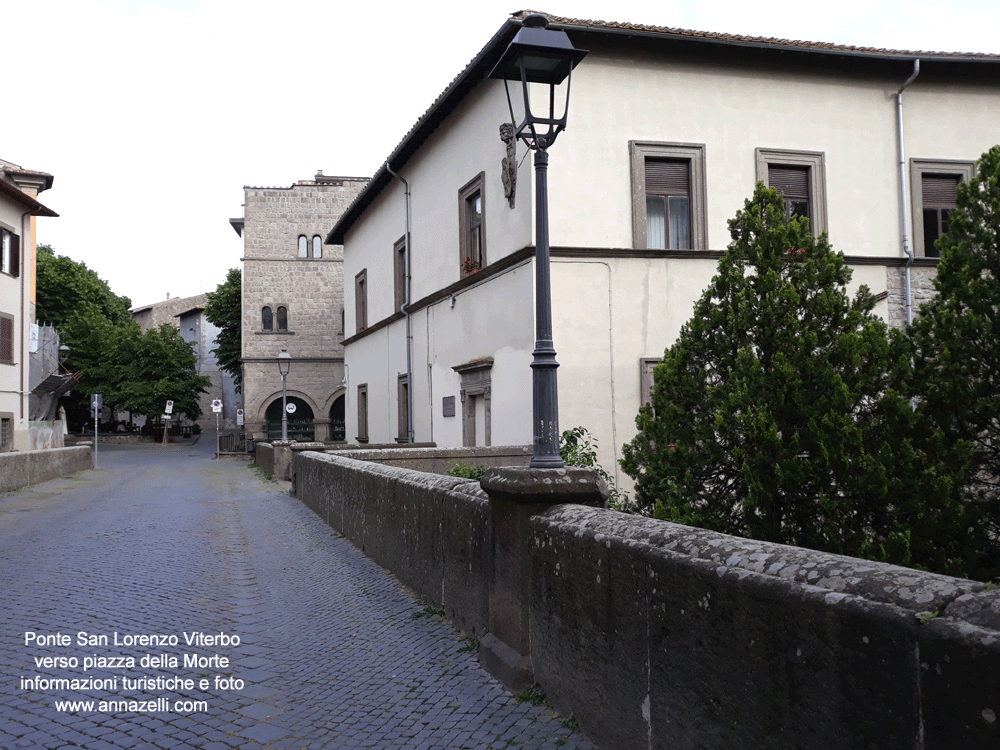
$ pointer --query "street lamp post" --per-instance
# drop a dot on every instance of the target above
(544, 56)
(284, 365)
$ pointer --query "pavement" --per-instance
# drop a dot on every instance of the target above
(159, 544)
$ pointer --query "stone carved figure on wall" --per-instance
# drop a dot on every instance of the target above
(508, 165)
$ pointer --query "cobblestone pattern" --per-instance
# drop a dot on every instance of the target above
(312, 290)
(165, 540)
(921, 291)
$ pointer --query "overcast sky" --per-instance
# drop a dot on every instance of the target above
(153, 114)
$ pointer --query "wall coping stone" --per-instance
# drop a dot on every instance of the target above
(914, 590)
(525, 485)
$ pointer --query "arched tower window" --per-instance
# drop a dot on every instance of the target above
(317, 246)
(266, 319)
(303, 246)
(282, 318)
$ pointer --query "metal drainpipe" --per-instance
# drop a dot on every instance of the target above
(405, 308)
(24, 268)
(903, 192)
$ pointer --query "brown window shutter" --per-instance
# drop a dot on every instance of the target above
(6, 340)
(665, 177)
(15, 255)
(793, 182)
(940, 189)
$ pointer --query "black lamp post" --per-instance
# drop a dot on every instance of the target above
(284, 365)
(543, 56)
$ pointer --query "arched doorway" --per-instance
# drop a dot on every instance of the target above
(338, 427)
(300, 420)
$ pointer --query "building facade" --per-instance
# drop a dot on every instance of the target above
(293, 299)
(669, 131)
(187, 314)
(19, 206)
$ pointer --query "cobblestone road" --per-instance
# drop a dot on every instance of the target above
(333, 651)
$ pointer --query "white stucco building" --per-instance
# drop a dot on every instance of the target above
(19, 206)
(669, 130)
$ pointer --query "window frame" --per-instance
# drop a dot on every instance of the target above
(303, 245)
(966, 170)
(8, 337)
(815, 162)
(6, 431)
(361, 300)
(399, 273)
(467, 192)
(10, 256)
(694, 154)
(317, 247)
(646, 367)
(277, 317)
(362, 436)
(402, 408)
(266, 318)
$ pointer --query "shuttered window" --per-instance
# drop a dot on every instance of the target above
(668, 204)
(940, 193)
(793, 183)
(10, 253)
(6, 339)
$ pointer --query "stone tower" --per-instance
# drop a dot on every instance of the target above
(293, 298)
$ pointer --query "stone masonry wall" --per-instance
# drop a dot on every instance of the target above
(311, 289)
(921, 290)
(656, 635)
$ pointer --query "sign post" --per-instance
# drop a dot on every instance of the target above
(166, 420)
(95, 405)
(217, 408)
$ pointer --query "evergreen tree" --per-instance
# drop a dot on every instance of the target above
(771, 416)
(225, 310)
(956, 359)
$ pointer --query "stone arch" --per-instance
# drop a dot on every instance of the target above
(301, 422)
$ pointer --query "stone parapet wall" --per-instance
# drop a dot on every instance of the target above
(429, 530)
(659, 635)
(656, 635)
(440, 460)
(24, 468)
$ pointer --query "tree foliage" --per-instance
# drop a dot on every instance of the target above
(225, 310)
(772, 416)
(956, 356)
(66, 288)
(133, 370)
(153, 367)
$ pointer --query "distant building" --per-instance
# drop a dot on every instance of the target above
(19, 206)
(187, 314)
(293, 298)
(669, 130)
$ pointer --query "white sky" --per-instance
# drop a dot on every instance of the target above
(153, 114)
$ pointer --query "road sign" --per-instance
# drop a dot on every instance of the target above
(170, 408)
(217, 405)
(239, 417)
(290, 408)
(95, 401)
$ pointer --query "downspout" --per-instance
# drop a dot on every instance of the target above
(405, 308)
(904, 193)
(24, 269)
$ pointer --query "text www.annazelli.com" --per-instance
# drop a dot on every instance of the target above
(158, 705)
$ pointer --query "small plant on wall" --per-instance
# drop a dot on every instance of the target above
(470, 266)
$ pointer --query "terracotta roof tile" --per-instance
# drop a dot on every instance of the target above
(743, 39)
